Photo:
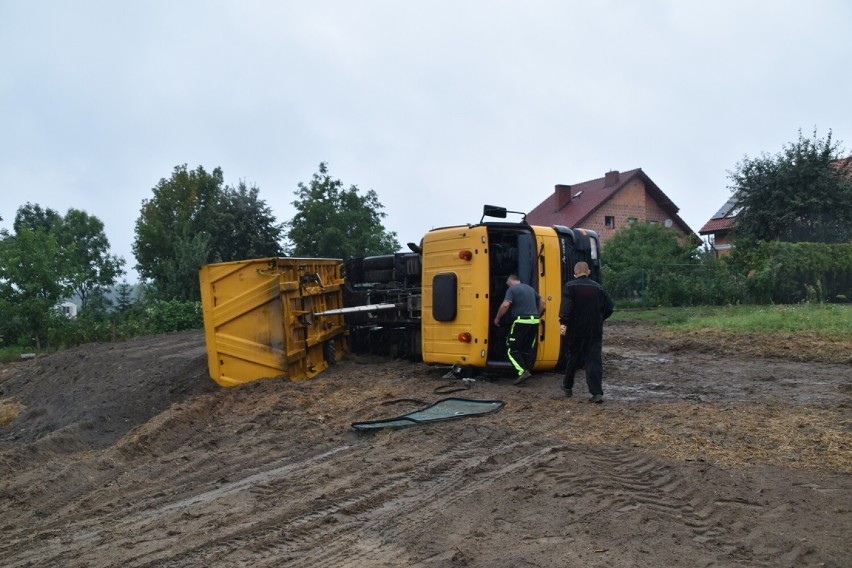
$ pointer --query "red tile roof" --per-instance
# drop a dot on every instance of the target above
(843, 165)
(718, 225)
(588, 196)
(724, 220)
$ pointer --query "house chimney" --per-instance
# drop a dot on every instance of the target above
(611, 178)
(563, 196)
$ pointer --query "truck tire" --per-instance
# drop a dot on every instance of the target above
(413, 266)
(384, 275)
(382, 262)
(329, 352)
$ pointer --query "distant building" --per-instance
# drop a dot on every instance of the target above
(717, 231)
(68, 309)
(606, 204)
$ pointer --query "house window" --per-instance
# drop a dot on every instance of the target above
(610, 222)
(631, 220)
(655, 223)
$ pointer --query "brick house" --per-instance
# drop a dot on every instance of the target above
(607, 204)
(718, 229)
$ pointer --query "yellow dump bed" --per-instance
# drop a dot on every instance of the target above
(258, 318)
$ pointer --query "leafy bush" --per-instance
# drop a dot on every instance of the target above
(640, 254)
(790, 273)
(645, 265)
(165, 316)
(100, 322)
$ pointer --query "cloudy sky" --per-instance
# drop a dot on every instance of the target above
(438, 106)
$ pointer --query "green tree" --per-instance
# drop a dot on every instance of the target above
(194, 219)
(32, 216)
(48, 258)
(83, 261)
(333, 222)
(799, 194)
(642, 255)
(246, 227)
(182, 208)
(4, 288)
(124, 297)
(178, 275)
(29, 286)
(88, 267)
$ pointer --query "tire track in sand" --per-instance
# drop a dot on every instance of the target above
(342, 532)
(625, 480)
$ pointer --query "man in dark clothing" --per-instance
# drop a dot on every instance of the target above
(585, 306)
(527, 307)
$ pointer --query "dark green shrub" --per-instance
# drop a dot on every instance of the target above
(789, 273)
(174, 315)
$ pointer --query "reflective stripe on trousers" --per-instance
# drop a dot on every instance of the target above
(520, 366)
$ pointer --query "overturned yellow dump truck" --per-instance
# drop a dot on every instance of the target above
(259, 318)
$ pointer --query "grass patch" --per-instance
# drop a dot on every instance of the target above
(829, 321)
(11, 353)
(804, 332)
(9, 410)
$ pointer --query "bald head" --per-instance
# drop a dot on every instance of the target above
(581, 269)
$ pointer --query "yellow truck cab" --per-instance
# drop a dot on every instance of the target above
(464, 272)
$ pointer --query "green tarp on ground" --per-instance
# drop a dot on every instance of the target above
(445, 409)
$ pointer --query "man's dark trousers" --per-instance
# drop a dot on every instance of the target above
(587, 349)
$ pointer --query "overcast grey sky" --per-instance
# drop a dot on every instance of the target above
(438, 106)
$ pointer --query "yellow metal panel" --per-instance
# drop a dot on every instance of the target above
(440, 342)
(258, 317)
(550, 289)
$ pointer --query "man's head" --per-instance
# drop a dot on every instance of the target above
(581, 269)
(512, 280)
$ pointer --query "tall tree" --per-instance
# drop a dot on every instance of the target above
(178, 275)
(246, 227)
(333, 222)
(29, 282)
(88, 267)
(32, 216)
(194, 219)
(124, 297)
(48, 258)
(183, 207)
(800, 194)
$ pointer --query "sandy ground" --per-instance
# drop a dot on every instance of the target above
(704, 454)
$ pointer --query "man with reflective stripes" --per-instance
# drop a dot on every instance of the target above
(527, 307)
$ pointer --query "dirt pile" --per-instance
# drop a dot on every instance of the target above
(128, 454)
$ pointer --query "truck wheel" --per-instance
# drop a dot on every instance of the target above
(384, 275)
(329, 352)
(413, 266)
(378, 262)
